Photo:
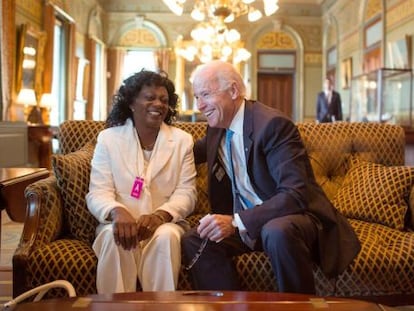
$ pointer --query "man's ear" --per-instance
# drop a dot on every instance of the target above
(234, 91)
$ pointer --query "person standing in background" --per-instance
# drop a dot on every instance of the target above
(328, 105)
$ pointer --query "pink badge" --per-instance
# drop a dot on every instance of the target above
(137, 187)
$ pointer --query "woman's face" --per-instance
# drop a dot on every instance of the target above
(150, 107)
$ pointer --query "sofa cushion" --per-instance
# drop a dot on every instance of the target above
(64, 259)
(72, 176)
(384, 264)
(375, 193)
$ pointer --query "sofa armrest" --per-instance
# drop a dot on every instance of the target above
(44, 215)
(43, 225)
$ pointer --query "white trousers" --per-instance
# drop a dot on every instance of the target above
(156, 261)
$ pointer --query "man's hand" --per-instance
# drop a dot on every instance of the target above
(216, 227)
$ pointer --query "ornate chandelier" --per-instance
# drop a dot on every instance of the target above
(227, 10)
(213, 40)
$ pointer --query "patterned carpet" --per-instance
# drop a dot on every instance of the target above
(10, 236)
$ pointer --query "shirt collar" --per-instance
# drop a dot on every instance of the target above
(237, 123)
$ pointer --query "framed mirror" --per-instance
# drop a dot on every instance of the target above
(30, 58)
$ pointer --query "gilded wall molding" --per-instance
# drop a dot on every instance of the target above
(313, 59)
(276, 40)
(402, 11)
(374, 7)
(138, 38)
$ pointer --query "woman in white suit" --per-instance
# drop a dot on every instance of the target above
(142, 187)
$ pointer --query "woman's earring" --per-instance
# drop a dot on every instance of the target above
(132, 109)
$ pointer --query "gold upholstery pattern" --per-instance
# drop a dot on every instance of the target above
(411, 207)
(72, 173)
(51, 213)
(75, 134)
(384, 264)
(330, 146)
(69, 259)
(383, 267)
(376, 193)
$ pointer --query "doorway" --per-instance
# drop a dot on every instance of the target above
(276, 90)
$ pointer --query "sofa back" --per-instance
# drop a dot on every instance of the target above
(329, 146)
(74, 134)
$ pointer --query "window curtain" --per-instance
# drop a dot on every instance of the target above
(90, 52)
(115, 63)
(72, 70)
(49, 27)
(70, 27)
(162, 59)
(7, 57)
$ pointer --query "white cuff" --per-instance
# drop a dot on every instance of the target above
(239, 223)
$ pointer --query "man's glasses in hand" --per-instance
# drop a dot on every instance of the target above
(197, 255)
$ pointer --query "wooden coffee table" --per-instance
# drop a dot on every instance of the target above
(201, 301)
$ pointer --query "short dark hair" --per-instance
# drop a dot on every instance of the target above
(130, 89)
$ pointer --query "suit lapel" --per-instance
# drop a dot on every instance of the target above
(248, 129)
(132, 157)
(163, 150)
(216, 168)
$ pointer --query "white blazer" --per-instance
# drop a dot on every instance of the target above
(169, 178)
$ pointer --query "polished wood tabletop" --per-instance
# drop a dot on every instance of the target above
(13, 182)
(201, 301)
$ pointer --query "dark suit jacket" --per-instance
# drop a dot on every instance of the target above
(281, 174)
(325, 111)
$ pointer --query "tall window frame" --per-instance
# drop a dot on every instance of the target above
(58, 112)
(373, 34)
(100, 110)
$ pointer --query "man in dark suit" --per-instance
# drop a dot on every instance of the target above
(328, 105)
(273, 204)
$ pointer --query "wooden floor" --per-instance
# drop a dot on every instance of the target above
(10, 235)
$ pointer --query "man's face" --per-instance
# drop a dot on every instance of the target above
(216, 104)
(327, 85)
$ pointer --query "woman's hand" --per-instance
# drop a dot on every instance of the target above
(147, 224)
(128, 232)
(124, 228)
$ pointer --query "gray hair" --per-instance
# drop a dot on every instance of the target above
(224, 73)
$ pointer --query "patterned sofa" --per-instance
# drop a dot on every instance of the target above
(359, 165)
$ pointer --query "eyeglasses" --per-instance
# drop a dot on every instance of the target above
(197, 255)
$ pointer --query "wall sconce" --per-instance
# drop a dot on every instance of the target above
(27, 97)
